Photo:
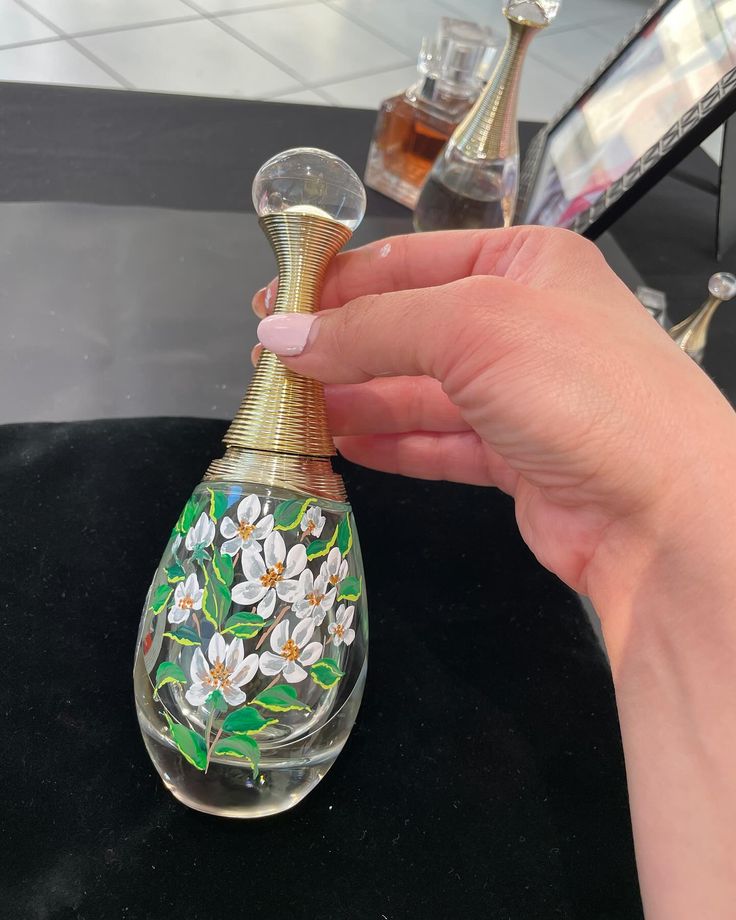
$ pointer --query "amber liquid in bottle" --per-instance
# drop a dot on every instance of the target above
(406, 142)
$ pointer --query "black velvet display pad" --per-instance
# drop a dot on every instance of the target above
(484, 777)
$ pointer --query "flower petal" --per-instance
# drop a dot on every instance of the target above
(199, 670)
(280, 636)
(293, 673)
(333, 561)
(307, 583)
(329, 599)
(288, 590)
(303, 632)
(302, 608)
(234, 655)
(248, 592)
(197, 599)
(296, 560)
(348, 636)
(228, 528)
(275, 549)
(264, 527)
(253, 566)
(178, 615)
(230, 547)
(318, 615)
(246, 671)
(233, 696)
(249, 508)
(311, 653)
(197, 694)
(265, 608)
(347, 617)
(217, 649)
(343, 570)
(271, 664)
(190, 586)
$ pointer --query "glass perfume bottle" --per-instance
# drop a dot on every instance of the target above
(413, 126)
(692, 333)
(252, 650)
(474, 181)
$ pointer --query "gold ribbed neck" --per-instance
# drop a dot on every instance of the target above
(489, 130)
(284, 413)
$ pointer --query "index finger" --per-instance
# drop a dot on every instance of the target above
(529, 255)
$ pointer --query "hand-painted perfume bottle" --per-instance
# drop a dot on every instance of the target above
(252, 651)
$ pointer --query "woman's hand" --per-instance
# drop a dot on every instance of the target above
(516, 358)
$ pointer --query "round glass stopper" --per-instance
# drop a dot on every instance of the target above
(723, 286)
(307, 180)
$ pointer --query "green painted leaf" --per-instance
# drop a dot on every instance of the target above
(184, 635)
(218, 504)
(239, 746)
(216, 601)
(222, 566)
(246, 721)
(168, 673)
(188, 514)
(160, 598)
(244, 625)
(326, 673)
(288, 514)
(350, 588)
(319, 548)
(190, 744)
(279, 699)
(217, 701)
(345, 535)
(175, 573)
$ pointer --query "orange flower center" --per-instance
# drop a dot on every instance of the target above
(219, 675)
(273, 576)
(310, 527)
(186, 603)
(315, 599)
(334, 579)
(290, 651)
(339, 630)
(245, 530)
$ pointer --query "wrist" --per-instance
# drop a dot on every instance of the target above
(673, 566)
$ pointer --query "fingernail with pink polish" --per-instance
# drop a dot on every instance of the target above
(285, 334)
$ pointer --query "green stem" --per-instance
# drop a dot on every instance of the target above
(209, 749)
(207, 731)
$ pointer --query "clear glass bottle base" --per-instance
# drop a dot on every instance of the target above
(287, 772)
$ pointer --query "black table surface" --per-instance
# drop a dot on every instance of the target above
(484, 777)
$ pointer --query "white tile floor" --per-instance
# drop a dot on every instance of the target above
(340, 52)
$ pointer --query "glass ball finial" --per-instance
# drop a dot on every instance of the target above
(307, 180)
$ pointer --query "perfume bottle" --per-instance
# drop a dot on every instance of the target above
(413, 126)
(692, 333)
(474, 181)
(252, 649)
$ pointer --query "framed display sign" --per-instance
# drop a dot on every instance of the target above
(665, 89)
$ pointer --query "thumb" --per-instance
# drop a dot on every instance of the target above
(430, 332)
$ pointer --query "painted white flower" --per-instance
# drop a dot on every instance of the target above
(291, 651)
(313, 521)
(315, 597)
(334, 568)
(272, 578)
(340, 630)
(187, 597)
(200, 536)
(248, 531)
(227, 670)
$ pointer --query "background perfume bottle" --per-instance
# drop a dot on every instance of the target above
(692, 333)
(474, 181)
(413, 126)
(252, 650)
